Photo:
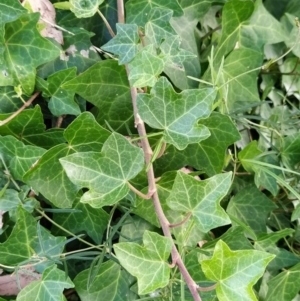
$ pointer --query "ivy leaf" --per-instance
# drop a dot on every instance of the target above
(262, 178)
(158, 27)
(36, 50)
(10, 11)
(201, 199)
(137, 11)
(145, 69)
(88, 219)
(125, 43)
(195, 9)
(108, 79)
(9, 103)
(252, 207)
(290, 151)
(20, 244)
(50, 287)
(176, 114)
(62, 101)
(105, 174)
(86, 8)
(19, 157)
(83, 134)
(148, 263)
(109, 284)
(235, 271)
(284, 286)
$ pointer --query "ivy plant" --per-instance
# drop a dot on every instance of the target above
(149, 150)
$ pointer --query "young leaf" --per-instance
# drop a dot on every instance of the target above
(201, 199)
(137, 11)
(148, 263)
(109, 284)
(125, 43)
(176, 114)
(105, 174)
(50, 287)
(235, 271)
(145, 69)
(252, 207)
(20, 244)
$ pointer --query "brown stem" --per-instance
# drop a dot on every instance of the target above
(181, 222)
(111, 32)
(207, 288)
(25, 105)
(176, 258)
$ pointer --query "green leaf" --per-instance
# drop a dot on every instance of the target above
(137, 11)
(19, 157)
(201, 199)
(262, 178)
(145, 69)
(148, 263)
(20, 70)
(176, 114)
(158, 26)
(62, 101)
(125, 43)
(110, 81)
(86, 8)
(109, 284)
(29, 127)
(83, 134)
(106, 174)
(48, 246)
(235, 271)
(290, 151)
(195, 9)
(88, 219)
(9, 102)
(50, 287)
(10, 11)
(284, 286)
(252, 207)
(20, 244)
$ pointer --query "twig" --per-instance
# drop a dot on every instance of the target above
(176, 258)
(25, 105)
(106, 24)
(59, 121)
(181, 222)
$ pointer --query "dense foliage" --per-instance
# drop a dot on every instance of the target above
(150, 156)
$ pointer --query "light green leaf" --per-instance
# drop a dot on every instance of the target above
(62, 101)
(148, 263)
(252, 207)
(235, 271)
(201, 199)
(176, 114)
(109, 80)
(109, 284)
(20, 244)
(145, 69)
(137, 11)
(36, 50)
(49, 288)
(83, 134)
(86, 8)
(10, 11)
(284, 286)
(108, 172)
(125, 43)
(90, 220)
(158, 26)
